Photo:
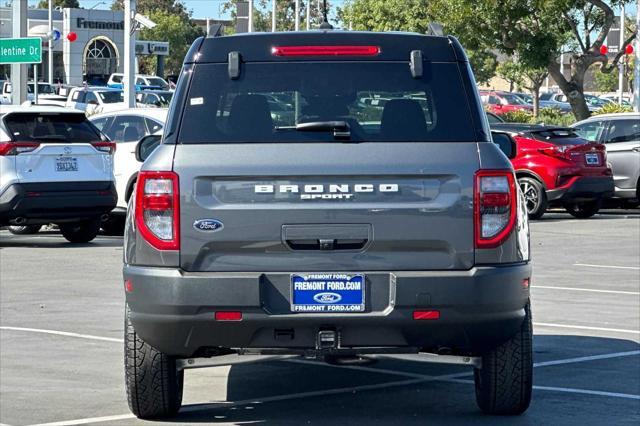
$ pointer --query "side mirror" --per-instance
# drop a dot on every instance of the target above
(146, 145)
(506, 143)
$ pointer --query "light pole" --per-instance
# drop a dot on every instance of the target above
(129, 53)
(250, 23)
(50, 50)
(621, 63)
(297, 20)
(636, 80)
(273, 16)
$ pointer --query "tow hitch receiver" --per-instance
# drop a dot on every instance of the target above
(327, 339)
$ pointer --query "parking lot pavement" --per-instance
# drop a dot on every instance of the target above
(61, 310)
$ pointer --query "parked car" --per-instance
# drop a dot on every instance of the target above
(621, 135)
(126, 128)
(56, 167)
(593, 102)
(155, 98)
(556, 167)
(352, 230)
(143, 82)
(94, 100)
(500, 102)
(46, 94)
(613, 98)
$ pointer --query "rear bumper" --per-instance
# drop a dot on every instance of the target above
(174, 310)
(583, 188)
(56, 202)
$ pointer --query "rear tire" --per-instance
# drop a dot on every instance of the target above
(534, 195)
(583, 210)
(80, 232)
(154, 384)
(24, 229)
(505, 381)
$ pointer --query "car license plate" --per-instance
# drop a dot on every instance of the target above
(66, 164)
(327, 292)
(592, 159)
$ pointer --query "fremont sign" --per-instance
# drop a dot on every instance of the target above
(21, 50)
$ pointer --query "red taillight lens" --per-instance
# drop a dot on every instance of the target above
(426, 315)
(495, 205)
(228, 316)
(325, 50)
(15, 148)
(108, 147)
(158, 209)
(559, 151)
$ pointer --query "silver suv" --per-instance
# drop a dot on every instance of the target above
(327, 194)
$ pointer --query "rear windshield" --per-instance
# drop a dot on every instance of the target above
(559, 137)
(111, 96)
(156, 81)
(379, 101)
(51, 127)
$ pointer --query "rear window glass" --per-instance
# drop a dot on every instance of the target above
(65, 128)
(559, 137)
(379, 101)
(111, 97)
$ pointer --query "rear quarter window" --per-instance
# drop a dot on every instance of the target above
(380, 101)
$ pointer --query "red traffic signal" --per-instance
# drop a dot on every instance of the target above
(72, 36)
(628, 50)
(604, 50)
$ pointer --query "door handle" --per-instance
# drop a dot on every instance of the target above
(636, 149)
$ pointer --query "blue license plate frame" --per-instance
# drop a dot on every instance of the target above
(328, 292)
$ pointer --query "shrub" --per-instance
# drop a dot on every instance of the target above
(554, 116)
(517, 116)
(612, 108)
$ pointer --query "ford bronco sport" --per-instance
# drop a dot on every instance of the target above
(327, 194)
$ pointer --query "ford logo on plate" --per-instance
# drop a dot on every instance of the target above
(327, 298)
(208, 225)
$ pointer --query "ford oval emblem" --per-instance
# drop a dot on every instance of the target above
(327, 298)
(208, 225)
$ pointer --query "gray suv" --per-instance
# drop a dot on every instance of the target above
(329, 195)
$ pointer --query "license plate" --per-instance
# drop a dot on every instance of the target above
(327, 292)
(592, 159)
(66, 164)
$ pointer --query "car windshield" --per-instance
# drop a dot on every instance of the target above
(513, 99)
(157, 81)
(111, 96)
(62, 127)
(373, 101)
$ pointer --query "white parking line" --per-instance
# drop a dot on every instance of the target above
(584, 327)
(632, 293)
(588, 265)
(88, 420)
(586, 358)
(63, 333)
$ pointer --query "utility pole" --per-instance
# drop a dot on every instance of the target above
(19, 71)
(297, 20)
(129, 54)
(308, 15)
(273, 15)
(250, 16)
(636, 80)
(621, 62)
(50, 56)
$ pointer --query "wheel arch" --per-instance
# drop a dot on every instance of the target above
(531, 174)
(130, 186)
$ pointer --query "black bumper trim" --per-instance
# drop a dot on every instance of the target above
(588, 188)
(56, 201)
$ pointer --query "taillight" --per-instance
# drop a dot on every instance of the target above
(158, 209)
(325, 50)
(558, 151)
(108, 147)
(15, 148)
(495, 206)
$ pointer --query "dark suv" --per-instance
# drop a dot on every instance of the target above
(327, 194)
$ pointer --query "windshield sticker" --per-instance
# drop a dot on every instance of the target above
(196, 101)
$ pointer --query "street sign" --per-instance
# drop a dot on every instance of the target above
(21, 50)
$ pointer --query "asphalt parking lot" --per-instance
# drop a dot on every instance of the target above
(61, 317)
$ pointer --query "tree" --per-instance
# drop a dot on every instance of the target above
(522, 75)
(606, 82)
(44, 4)
(538, 31)
(511, 71)
(174, 25)
(414, 16)
(285, 14)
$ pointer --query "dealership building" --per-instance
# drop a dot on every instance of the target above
(96, 52)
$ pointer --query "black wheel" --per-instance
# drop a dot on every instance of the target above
(534, 195)
(80, 232)
(114, 225)
(505, 381)
(154, 384)
(583, 210)
(24, 229)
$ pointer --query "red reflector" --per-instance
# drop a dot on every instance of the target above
(525, 283)
(426, 315)
(494, 199)
(33, 194)
(229, 316)
(128, 286)
(157, 202)
(325, 50)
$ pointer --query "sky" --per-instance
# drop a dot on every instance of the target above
(213, 8)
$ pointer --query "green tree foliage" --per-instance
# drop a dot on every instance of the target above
(174, 25)
(606, 82)
(414, 16)
(537, 31)
(511, 71)
(44, 4)
(285, 14)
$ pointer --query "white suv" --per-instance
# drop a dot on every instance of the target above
(55, 167)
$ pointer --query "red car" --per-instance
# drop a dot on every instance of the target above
(556, 167)
(501, 102)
